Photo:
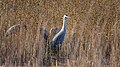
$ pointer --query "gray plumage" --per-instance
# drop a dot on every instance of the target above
(59, 37)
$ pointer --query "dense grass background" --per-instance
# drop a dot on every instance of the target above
(93, 32)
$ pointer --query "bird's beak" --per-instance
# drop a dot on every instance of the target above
(68, 17)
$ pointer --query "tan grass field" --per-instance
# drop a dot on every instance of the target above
(92, 39)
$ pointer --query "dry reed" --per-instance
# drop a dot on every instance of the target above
(92, 40)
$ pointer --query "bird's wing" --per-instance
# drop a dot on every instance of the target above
(58, 39)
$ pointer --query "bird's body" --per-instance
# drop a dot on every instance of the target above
(59, 37)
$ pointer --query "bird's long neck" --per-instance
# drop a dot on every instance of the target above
(64, 24)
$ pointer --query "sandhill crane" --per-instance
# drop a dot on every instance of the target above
(59, 37)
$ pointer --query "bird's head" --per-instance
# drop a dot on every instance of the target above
(66, 16)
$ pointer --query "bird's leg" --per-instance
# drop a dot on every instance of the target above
(59, 50)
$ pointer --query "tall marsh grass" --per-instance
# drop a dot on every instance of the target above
(92, 39)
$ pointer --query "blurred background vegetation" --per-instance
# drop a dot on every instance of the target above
(93, 32)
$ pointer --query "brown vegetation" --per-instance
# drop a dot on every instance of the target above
(92, 40)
